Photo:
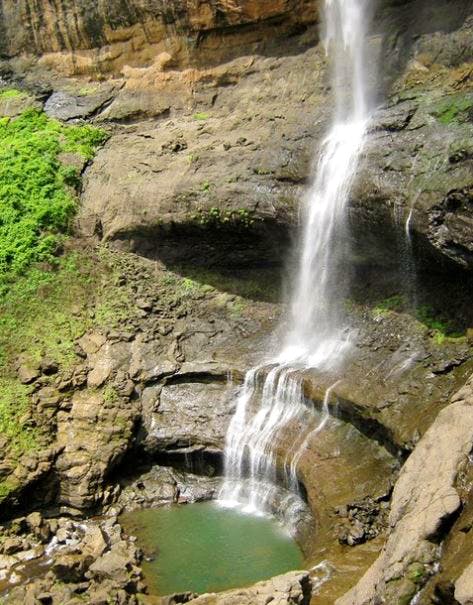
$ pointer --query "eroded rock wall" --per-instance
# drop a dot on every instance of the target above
(81, 36)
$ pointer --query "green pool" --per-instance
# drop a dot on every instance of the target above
(204, 548)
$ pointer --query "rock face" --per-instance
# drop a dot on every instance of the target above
(423, 503)
(79, 37)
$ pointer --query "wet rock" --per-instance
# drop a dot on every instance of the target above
(12, 545)
(190, 416)
(161, 484)
(362, 521)
(175, 599)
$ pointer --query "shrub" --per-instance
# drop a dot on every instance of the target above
(36, 200)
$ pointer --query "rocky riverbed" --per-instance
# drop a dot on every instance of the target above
(173, 289)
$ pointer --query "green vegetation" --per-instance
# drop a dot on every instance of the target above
(205, 186)
(417, 573)
(201, 116)
(394, 303)
(14, 406)
(252, 284)
(441, 329)
(215, 217)
(36, 200)
(110, 394)
(6, 487)
(11, 93)
(452, 110)
(43, 312)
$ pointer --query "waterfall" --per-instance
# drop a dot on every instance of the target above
(271, 405)
(318, 335)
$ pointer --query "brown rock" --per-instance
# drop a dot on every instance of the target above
(28, 374)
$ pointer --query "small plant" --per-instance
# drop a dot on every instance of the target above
(110, 394)
(201, 116)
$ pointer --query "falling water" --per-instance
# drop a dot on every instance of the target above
(318, 334)
(271, 401)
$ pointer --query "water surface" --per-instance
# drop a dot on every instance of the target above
(205, 548)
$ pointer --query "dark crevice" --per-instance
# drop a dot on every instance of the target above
(445, 526)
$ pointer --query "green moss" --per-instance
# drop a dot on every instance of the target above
(44, 312)
(12, 93)
(441, 328)
(36, 203)
(14, 407)
(386, 306)
(6, 488)
(110, 394)
(417, 573)
(201, 116)
(453, 109)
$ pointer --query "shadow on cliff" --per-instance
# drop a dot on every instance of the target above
(401, 23)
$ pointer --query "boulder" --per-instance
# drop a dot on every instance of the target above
(293, 588)
(423, 502)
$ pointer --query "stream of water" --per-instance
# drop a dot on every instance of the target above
(271, 403)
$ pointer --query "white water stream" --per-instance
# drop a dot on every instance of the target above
(317, 335)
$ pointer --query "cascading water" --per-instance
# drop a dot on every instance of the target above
(317, 334)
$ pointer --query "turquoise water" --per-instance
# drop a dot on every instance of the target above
(204, 548)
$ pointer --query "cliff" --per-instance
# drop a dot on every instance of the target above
(214, 110)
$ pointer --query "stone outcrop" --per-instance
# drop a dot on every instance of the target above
(424, 502)
(290, 589)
